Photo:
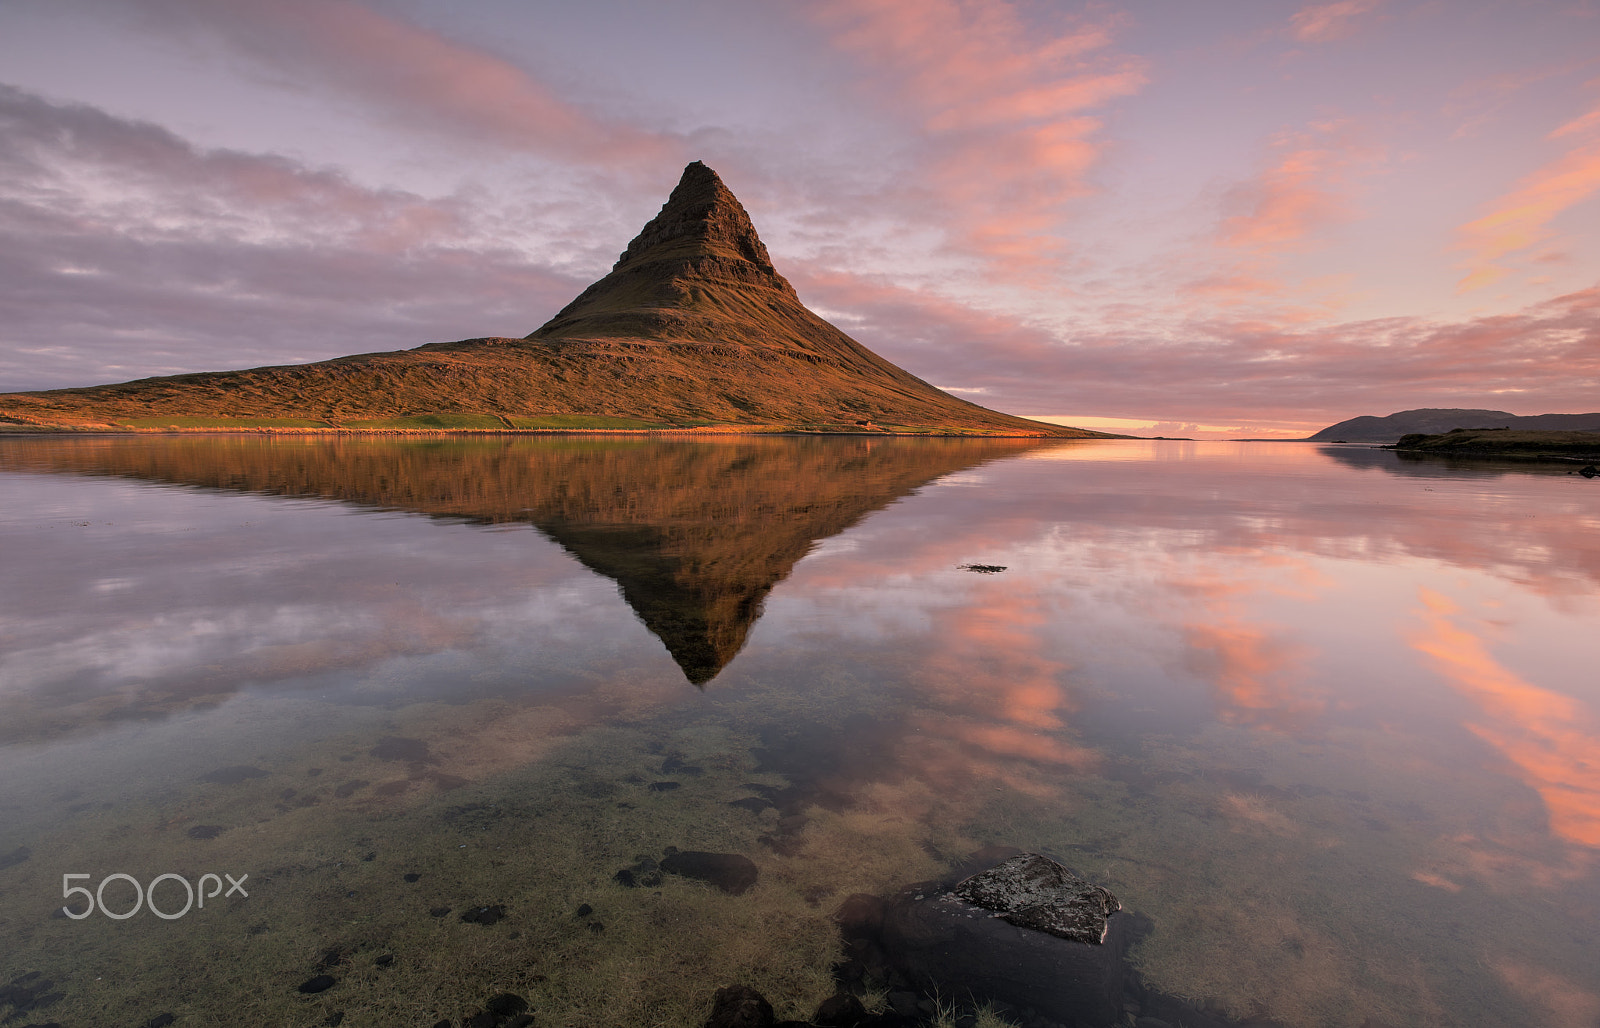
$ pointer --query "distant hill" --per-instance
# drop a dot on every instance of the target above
(693, 327)
(1438, 420)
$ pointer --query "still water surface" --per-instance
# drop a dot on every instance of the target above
(1328, 720)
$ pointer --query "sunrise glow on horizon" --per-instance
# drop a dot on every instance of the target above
(1242, 219)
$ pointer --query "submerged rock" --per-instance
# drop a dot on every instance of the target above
(31, 991)
(841, 1011)
(739, 1006)
(233, 775)
(395, 747)
(506, 1004)
(645, 873)
(730, 872)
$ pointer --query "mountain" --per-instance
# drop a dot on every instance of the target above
(695, 531)
(1436, 420)
(693, 327)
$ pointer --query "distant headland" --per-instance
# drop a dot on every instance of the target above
(1439, 420)
(693, 330)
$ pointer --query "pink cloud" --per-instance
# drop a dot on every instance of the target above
(1322, 23)
(1286, 208)
(125, 252)
(1001, 108)
(416, 76)
(1289, 201)
(1221, 369)
(1521, 219)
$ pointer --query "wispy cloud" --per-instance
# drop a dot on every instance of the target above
(1521, 219)
(410, 74)
(1302, 193)
(1221, 368)
(1322, 23)
(1298, 195)
(1002, 108)
(129, 252)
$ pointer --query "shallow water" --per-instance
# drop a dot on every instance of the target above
(1327, 719)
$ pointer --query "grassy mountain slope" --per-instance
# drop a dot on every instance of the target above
(692, 327)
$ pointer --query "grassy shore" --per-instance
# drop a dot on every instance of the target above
(1505, 443)
(478, 425)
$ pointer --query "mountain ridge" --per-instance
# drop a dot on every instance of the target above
(1438, 420)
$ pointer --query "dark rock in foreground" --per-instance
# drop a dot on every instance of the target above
(1027, 933)
(1031, 891)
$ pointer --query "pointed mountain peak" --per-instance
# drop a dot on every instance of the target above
(697, 270)
(701, 218)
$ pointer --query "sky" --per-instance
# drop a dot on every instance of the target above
(1222, 219)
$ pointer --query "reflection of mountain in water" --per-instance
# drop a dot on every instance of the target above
(1413, 464)
(694, 532)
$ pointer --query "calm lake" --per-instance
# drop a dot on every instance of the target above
(1326, 721)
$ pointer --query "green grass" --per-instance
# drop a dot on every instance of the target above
(1526, 443)
(581, 421)
(481, 421)
(220, 422)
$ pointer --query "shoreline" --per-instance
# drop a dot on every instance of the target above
(1506, 455)
(56, 430)
(1562, 447)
